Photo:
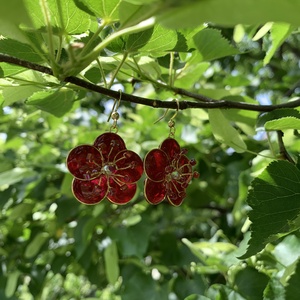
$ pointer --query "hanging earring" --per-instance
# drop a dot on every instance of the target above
(168, 170)
(106, 168)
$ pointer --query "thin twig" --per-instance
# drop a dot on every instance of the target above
(206, 103)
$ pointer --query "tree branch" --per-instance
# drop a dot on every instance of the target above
(207, 103)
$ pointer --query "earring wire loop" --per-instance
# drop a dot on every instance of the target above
(171, 122)
(114, 113)
(115, 106)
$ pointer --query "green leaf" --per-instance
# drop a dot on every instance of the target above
(156, 39)
(83, 234)
(279, 33)
(292, 290)
(36, 244)
(279, 119)
(196, 297)
(12, 94)
(66, 17)
(140, 286)
(283, 123)
(108, 10)
(286, 252)
(251, 283)
(211, 44)
(14, 11)
(193, 285)
(262, 31)
(132, 14)
(132, 240)
(224, 132)
(239, 33)
(186, 77)
(274, 290)
(15, 175)
(230, 13)
(274, 197)
(111, 259)
(11, 283)
(21, 210)
(9, 69)
(12, 14)
(56, 103)
(19, 50)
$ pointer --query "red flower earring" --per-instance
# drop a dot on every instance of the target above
(105, 169)
(168, 171)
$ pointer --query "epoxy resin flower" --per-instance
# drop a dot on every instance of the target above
(105, 169)
(168, 172)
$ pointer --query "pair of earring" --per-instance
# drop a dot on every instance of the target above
(107, 169)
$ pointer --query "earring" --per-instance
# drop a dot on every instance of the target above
(105, 169)
(168, 170)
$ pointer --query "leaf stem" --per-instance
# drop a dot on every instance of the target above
(117, 70)
(171, 71)
(59, 51)
(46, 14)
(92, 39)
(136, 28)
(102, 72)
(282, 150)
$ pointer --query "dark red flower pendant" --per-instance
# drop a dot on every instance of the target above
(105, 169)
(168, 172)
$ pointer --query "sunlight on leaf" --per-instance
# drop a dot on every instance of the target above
(283, 123)
(262, 31)
(279, 119)
(292, 290)
(279, 33)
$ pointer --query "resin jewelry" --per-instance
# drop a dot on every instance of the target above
(105, 169)
(168, 171)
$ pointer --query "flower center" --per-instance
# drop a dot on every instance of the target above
(175, 175)
(108, 170)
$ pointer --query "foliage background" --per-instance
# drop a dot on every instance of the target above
(52, 247)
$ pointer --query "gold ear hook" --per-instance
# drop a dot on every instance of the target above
(160, 118)
(115, 106)
(171, 122)
(165, 113)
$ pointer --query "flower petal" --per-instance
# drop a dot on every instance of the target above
(109, 144)
(120, 193)
(129, 166)
(84, 162)
(170, 147)
(155, 164)
(155, 192)
(90, 192)
(175, 193)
